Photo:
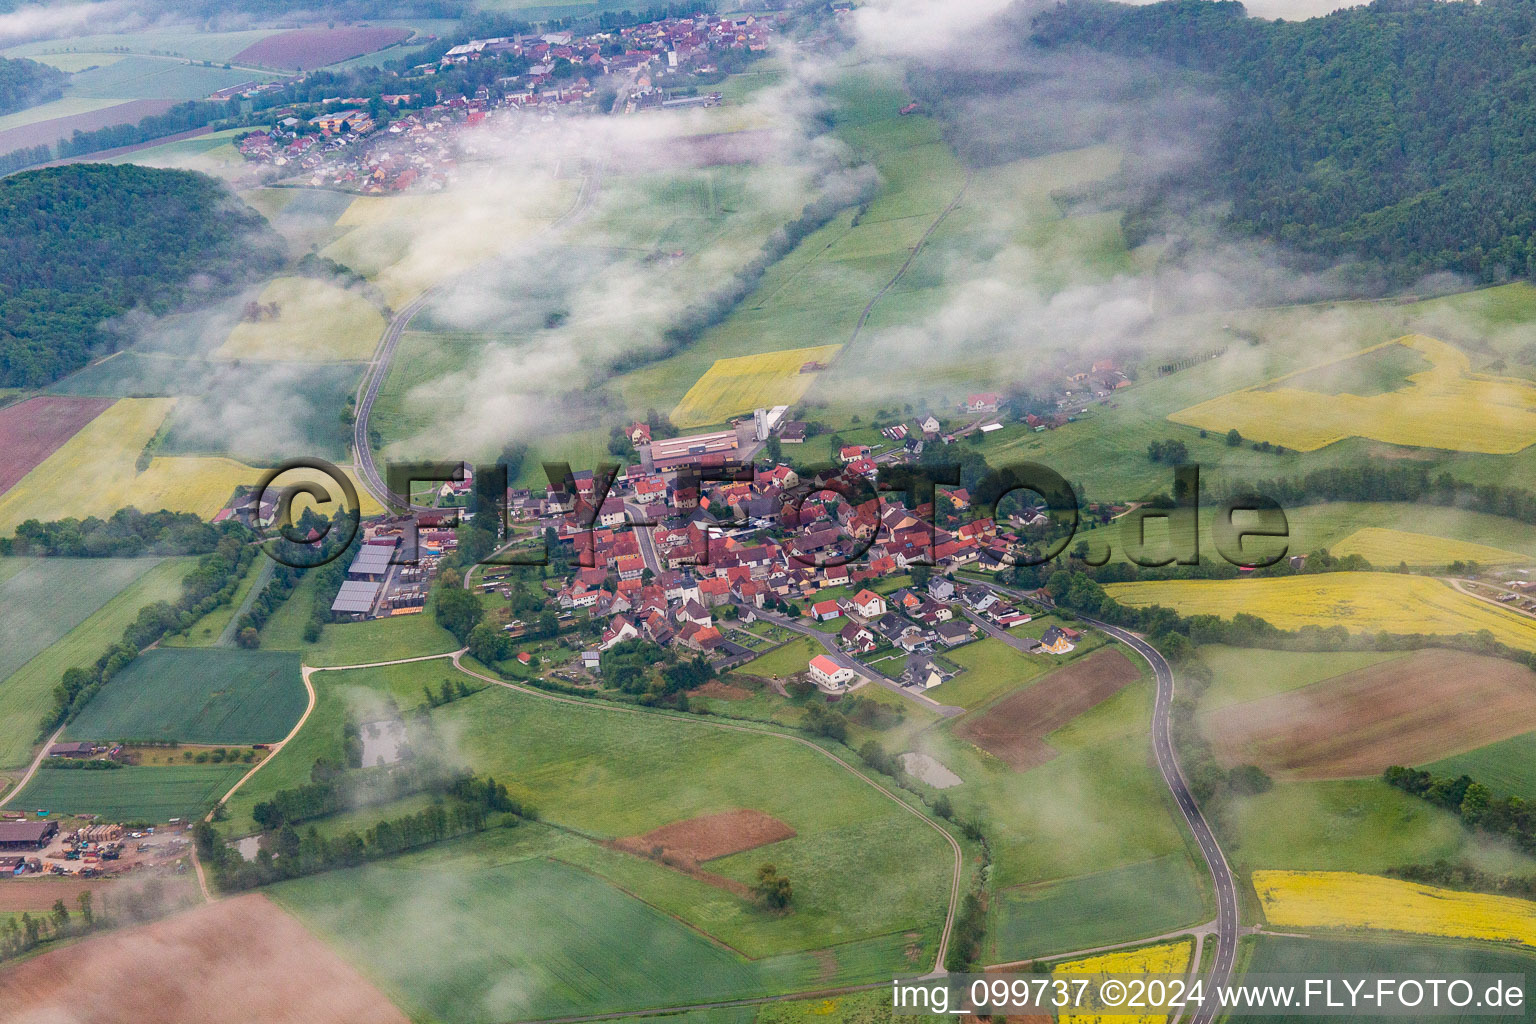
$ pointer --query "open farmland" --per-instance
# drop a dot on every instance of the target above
(308, 48)
(739, 385)
(1346, 899)
(1316, 957)
(135, 793)
(990, 667)
(531, 902)
(1446, 407)
(46, 598)
(27, 694)
(1150, 898)
(1365, 602)
(1166, 958)
(31, 431)
(1389, 547)
(1506, 767)
(198, 695)
(316, 321)
(1419, 708)
(105, 452)
(103, 113)
(1015, 728)
(709, 836)
(243, 955)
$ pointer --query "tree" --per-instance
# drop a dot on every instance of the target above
(248, 638)
(489, 644)
(458, 611)
(1234, 438)
(772, 888)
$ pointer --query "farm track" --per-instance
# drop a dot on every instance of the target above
(378, 368)
(32, 769)
(1226, 923)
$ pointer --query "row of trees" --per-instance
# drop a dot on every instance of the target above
(210, 584)
(1509, 817)
(127, 533)
(24, 934)
(466, 805)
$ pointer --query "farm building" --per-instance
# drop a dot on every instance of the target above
(691, 450)
(356, 597)
(26, 835)
(80, 748)
(828, 674)
(372, 561)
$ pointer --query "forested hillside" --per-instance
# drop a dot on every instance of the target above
(82, 243)
(26, 82)
(1400, 132)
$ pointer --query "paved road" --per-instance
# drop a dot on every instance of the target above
(1226, 924)
(829, 643)
(383, 356)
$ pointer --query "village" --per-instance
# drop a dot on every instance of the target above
(412, 138)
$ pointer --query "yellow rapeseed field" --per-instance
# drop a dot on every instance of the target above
(1381, 546)
(739, 385)
(1446, 406)
(315, 321)
(95, 473)
(1364, 602)
(1344, 899)
(1164, 958)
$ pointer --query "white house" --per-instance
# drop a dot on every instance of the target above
(829, 675)
(869, 604)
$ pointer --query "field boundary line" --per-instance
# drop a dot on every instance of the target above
(32, 769)
(954, 895)
(304, 673)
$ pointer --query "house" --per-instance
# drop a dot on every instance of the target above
(853, 453)
(639, 434)
(826, 611)
(829, 675)
(929, 424)
(857, 639)
(591, 660)
(1054, 641)
(953, 634)
(619, 630)
(985, 401)
(649, 489)
(611, 513)
(941, 588)
(792, 433)
(921, 672)
(869, 604)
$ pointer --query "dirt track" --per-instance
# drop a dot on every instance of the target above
(1015, 728)
(1411, 710)
(238, 961)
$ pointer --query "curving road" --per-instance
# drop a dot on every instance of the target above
(378, 368)
(1226, 924)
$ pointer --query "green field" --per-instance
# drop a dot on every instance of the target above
(1508, 767)
(43, 599)
(198, 695)
(992, 668)
(536, 934)
(1355, 825)
(1275, 954)
(133, 793)
(1150, 898)
(28, 693)
(786, 660)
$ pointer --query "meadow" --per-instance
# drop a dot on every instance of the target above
(785, 660)
(27, 694)
(1445, 407)
(133, 793)
(519, 904)
(317, 321)
(735, 386)
(1362, 602)
(198, 695)
(1152, 897)
(1242, 674)
(1353, 825)
(1382, 546)
(1274, 954)
(991, 669)
(1329, 899)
